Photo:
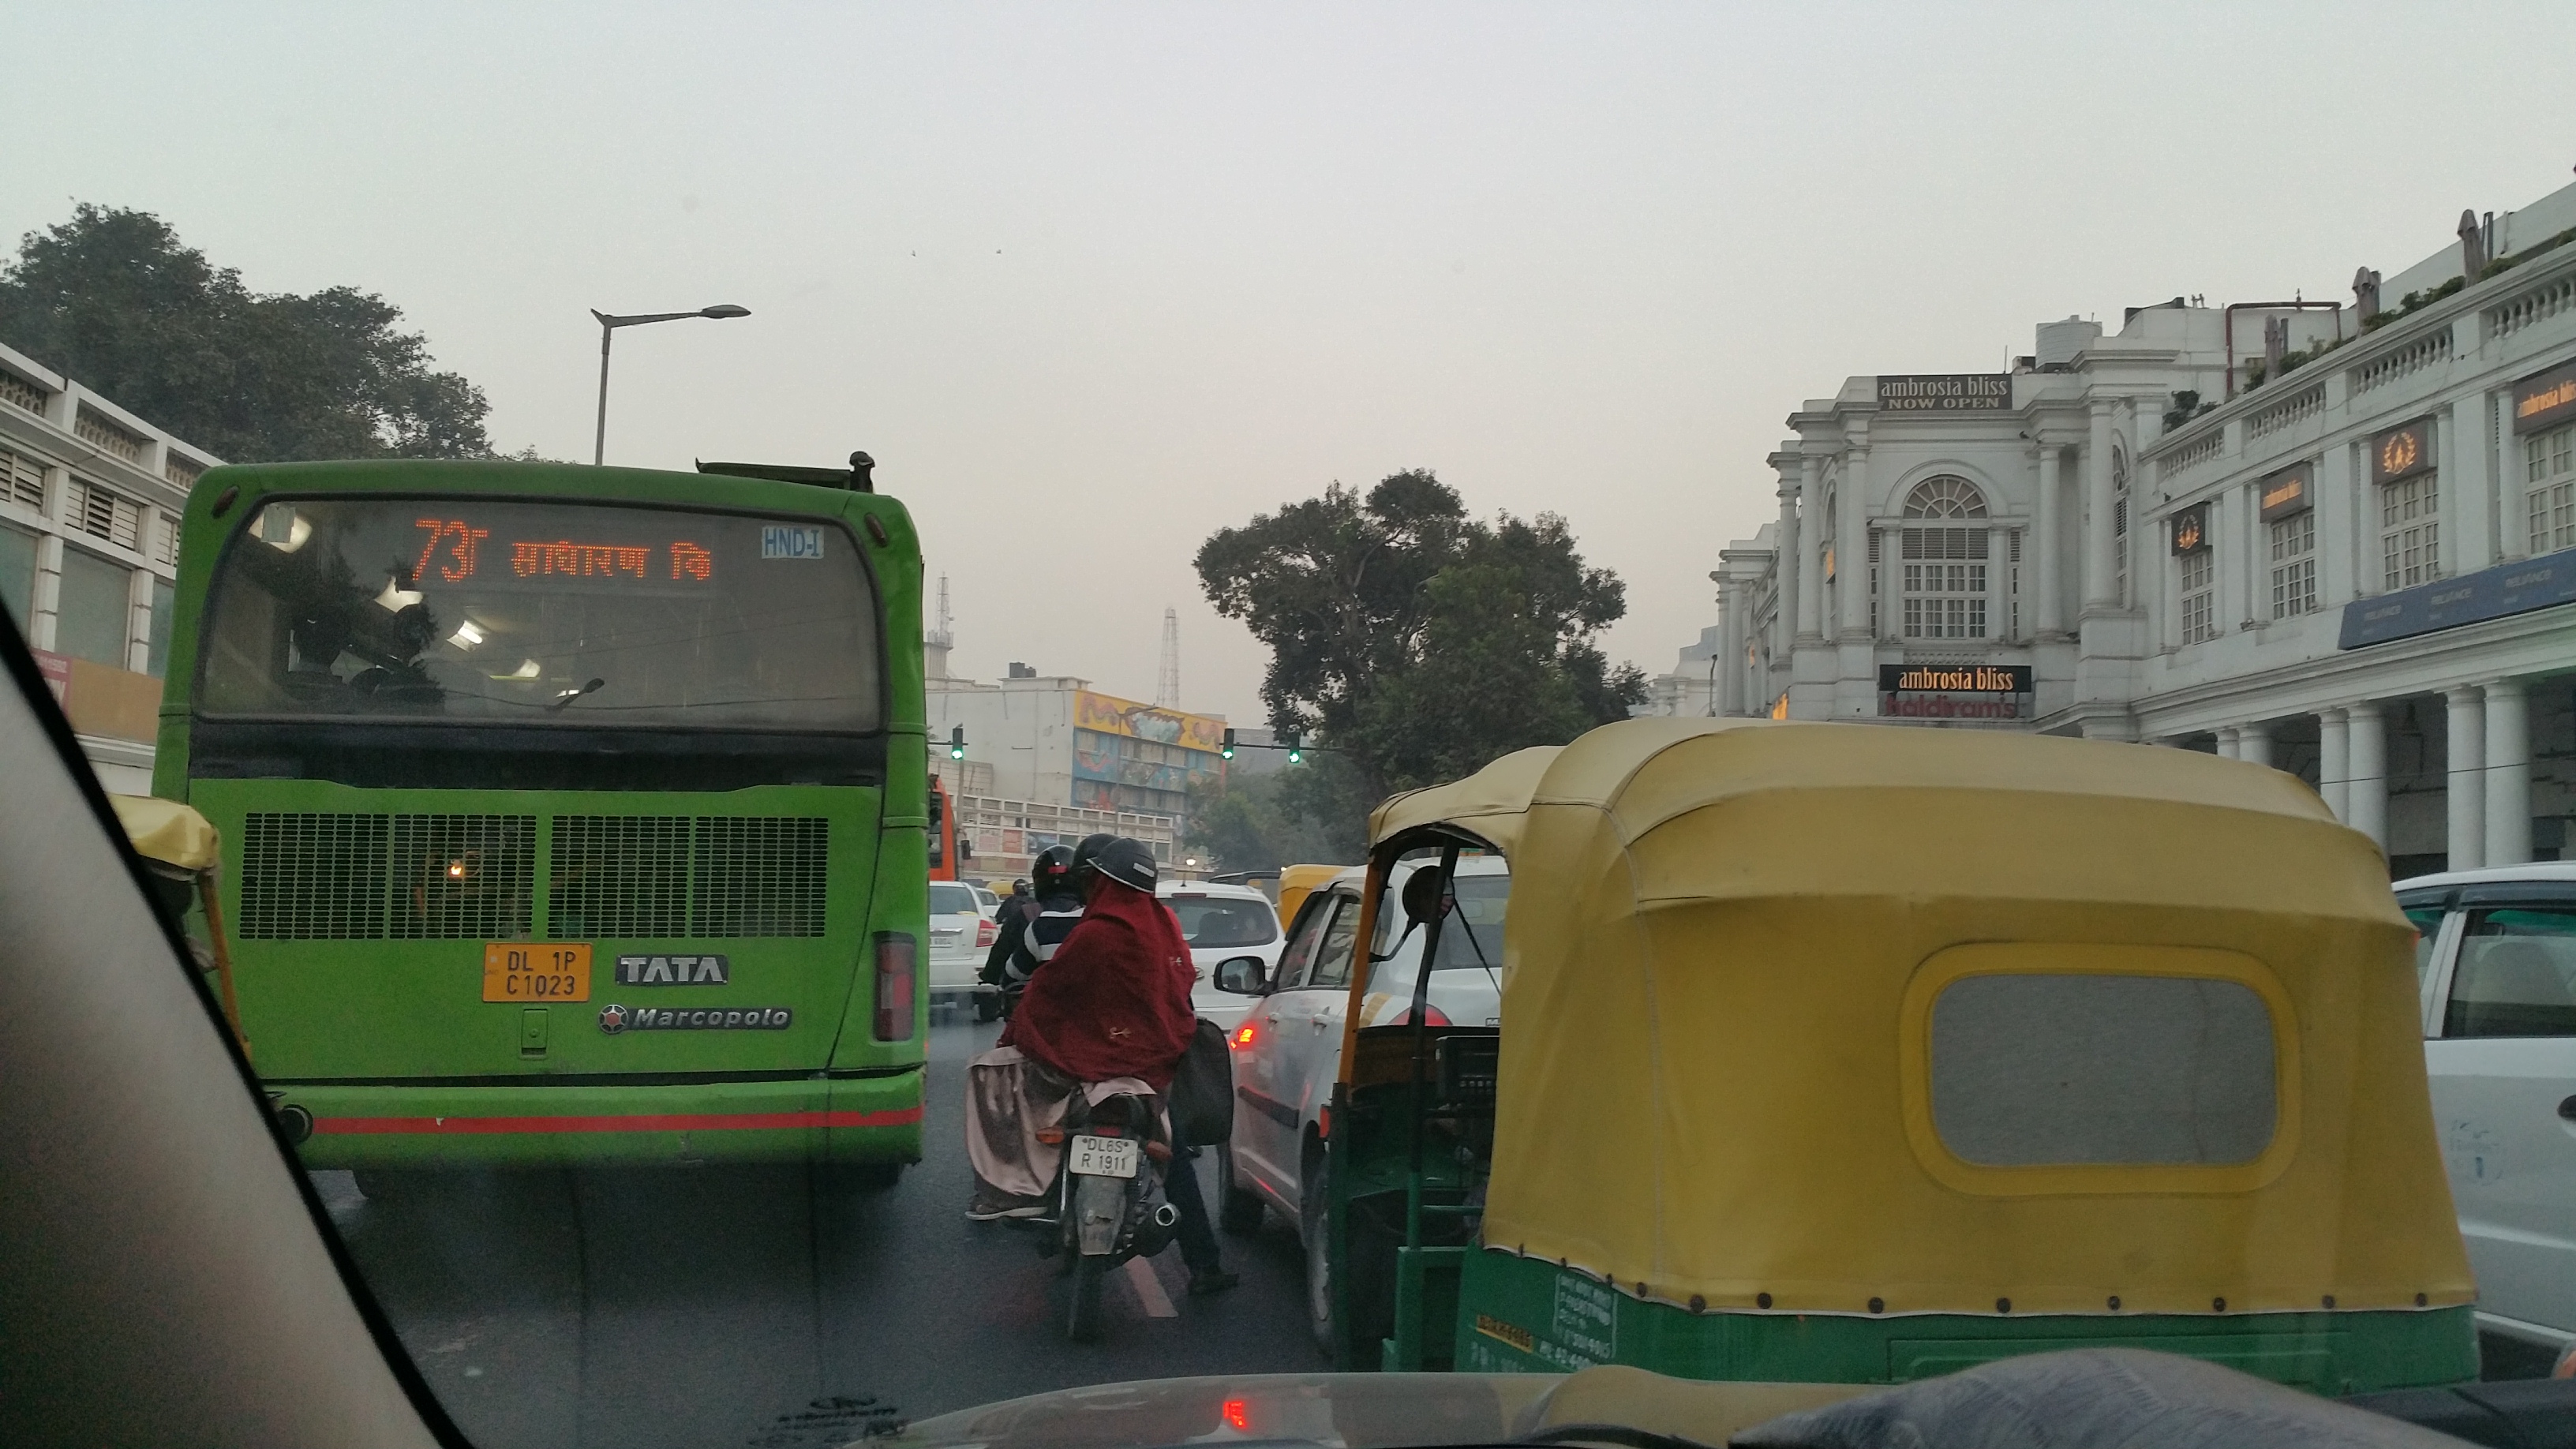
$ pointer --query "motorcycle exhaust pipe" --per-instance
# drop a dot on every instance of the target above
(1167, 1216)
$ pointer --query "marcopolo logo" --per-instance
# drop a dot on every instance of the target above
(615, 1018)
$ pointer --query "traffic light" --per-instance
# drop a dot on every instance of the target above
(957, 742)
(1296, 752)
(1226, 751)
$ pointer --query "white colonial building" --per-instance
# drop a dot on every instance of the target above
(2340, 539)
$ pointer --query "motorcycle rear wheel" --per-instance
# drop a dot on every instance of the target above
(1082, 1310)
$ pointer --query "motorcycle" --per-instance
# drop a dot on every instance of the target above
(1109, 1204)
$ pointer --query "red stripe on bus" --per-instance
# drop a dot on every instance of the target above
(644, 1122)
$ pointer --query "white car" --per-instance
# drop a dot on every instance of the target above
(2497, 968)
(1287, 1060)
(961, 935)
(1222, 922)
(985, 898)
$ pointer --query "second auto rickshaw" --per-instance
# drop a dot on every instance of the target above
(1845, 1054)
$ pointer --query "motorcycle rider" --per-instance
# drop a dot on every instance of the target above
(1022, 945)
(1114, 1001)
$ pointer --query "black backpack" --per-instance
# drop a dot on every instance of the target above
(1203, 1088)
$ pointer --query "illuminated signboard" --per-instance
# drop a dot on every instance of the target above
(1954, 691)
(1946, 392)
(2289, 492)
(2545, 401)
(453, 550)
(2191, 529)
(2402, 453)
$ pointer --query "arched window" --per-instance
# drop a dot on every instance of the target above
(1944, 556)
(2120, 524)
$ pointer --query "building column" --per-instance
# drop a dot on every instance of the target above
(2366, 780)
(2508, 789)
(2334, 761)
(2254, 744)
(1851, 547)
(2101, 582)
(1786, 568)
(2050, 616)
(2469, 493)
(2227, 741)
(1731, 635)
(1811, 574)
(138, 617)
(46, 608)
(1998, 581)
(2464, 778)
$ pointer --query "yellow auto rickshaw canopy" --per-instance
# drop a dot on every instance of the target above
(167, 831)
(1822, 1018)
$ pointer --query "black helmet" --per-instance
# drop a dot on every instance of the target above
(1127, 862)
(1047, 873)
(1084, 855)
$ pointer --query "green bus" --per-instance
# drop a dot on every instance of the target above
(570, 815)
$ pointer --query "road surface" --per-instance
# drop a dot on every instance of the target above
(707, 1307)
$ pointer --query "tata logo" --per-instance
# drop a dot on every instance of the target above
(673, 971)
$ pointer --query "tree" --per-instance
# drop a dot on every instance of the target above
(1418, 642)
(1262, 822)
(114, 298)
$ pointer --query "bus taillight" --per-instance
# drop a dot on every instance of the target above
(895, 953)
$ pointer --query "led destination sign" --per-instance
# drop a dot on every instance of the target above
(453, 552)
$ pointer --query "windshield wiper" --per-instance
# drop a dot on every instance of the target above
(569, 695)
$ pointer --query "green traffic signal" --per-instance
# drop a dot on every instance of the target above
(1225, 751)
(1296, 755)
(957, 742)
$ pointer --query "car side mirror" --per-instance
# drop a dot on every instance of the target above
(1241, 975)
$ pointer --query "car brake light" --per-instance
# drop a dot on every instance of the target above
(985, 931)
(1238, 1415)
(1431, 1014)
(896, 956)
(1243, 1035)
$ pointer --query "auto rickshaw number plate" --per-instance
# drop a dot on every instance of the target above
(1103, 1156)
(525, 971)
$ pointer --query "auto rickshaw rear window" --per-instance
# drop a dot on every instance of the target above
(2097, 1069)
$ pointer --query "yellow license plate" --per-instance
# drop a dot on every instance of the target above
(524, 971)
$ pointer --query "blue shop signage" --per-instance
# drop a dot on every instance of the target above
(2507, 589)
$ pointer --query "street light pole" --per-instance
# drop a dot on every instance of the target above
(608, 326)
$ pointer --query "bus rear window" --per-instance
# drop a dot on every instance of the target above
(498, 611)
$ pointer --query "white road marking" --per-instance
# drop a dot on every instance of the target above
(1149, 1289)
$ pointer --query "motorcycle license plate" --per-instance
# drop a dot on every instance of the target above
(1104, 1156)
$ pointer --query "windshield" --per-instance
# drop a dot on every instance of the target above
(1471, 938)
(588, 500)
(546, 614)
(1214, 921)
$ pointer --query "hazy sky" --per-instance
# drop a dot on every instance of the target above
(1093, 281)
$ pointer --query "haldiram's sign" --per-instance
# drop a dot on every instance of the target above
(1954, 691)
(1945, 392)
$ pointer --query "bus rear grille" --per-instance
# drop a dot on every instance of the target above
(462, 877)
(760, 877)
(675, 877)
(619, 875)
(314, 877)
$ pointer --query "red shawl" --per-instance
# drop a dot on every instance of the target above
(1115, 999)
